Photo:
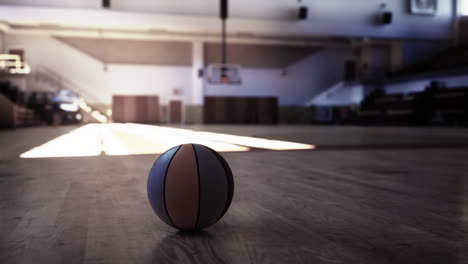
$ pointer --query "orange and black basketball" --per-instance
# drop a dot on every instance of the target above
(190, 187)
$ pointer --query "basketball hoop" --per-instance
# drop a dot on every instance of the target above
(224, 74)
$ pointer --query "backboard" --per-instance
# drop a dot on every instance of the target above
(224, 74)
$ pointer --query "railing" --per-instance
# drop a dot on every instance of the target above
(56, 81)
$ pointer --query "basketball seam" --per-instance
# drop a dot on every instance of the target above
(227, 173)
(199, 193)
(164, 187)
(230, 181)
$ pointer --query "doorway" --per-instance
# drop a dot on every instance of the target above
(175, 112)
(350, 70)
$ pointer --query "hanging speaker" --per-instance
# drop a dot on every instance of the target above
(303, 12)
(387, 18)
(224, 9)
(106, 3)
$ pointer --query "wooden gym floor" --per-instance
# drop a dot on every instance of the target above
(364, 195)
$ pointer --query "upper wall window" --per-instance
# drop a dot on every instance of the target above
(464, 7)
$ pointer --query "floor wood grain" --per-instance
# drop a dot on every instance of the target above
(332, 206)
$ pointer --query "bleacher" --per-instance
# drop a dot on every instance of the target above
(401, 113)
(375, 106)
(13, 109)
(451, 105)
(14, 115)
(433, 106)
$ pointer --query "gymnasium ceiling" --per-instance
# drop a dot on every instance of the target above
(278, 18)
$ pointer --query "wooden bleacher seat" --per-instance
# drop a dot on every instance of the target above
(13, 115)
(401, 113)
(373, 110)
(451, 105)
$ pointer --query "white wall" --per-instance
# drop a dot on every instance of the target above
(303, 80)
(331, 17)
(149, 80)
(420, 85)
(68, 62)
(89, 74)
(463, 9)
(330, 10)
(341, 94)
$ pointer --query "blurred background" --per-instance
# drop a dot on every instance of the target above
(367, 62)
(344, 123)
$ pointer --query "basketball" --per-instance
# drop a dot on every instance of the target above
(190, 187)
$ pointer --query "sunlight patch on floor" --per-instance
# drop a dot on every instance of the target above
(171, 137)
(81, 142)
(133, 139)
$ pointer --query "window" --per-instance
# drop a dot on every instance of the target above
(464, 7)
